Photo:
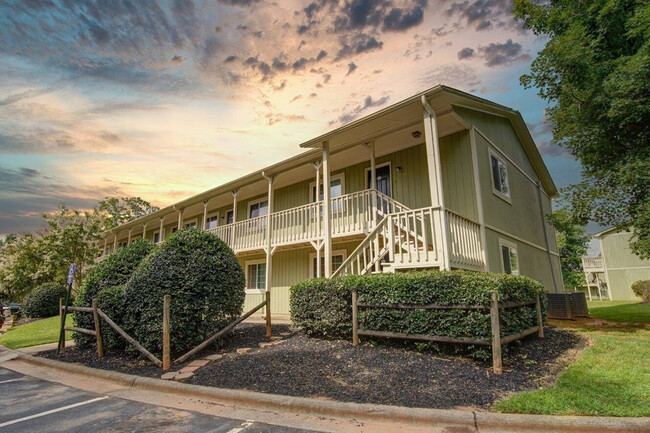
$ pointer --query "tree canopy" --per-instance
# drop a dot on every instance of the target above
(573, 241)
(595, 73)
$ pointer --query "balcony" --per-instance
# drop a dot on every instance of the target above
(593, 264)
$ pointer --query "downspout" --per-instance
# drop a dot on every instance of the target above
(548, 247)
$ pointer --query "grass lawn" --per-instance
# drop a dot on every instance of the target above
(609, 378)
(34, 333)
(620, 311)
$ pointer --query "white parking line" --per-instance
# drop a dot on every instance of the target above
(10, 380)
(244, 426)
(4, 424)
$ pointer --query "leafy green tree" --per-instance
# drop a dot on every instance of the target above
(573, 242)
(595, 73)
(21, 266)
(116, 211)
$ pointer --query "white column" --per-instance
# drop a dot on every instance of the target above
(128, 241)
(435, 179)
(115, 242)
(373, 198)
(327, 210)
(180, 218)
(161, 233)
(144, 230)
(234, 206)
(269, 233)
(205, 213)
(317, 166)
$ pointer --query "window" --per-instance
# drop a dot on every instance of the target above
(337, 188)
(509, 257)
(156, 236)
(500, 184)
(175, 229)
(230, 217)
(256, 275)
(258, 208)
(338, 257)
(191, 224)
(211, 222)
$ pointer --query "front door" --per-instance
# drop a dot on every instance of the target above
(383, 179)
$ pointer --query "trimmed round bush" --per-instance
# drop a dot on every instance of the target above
(113, 271)
(43, 301)
(111, 301)
(206, 284)
(641, 288)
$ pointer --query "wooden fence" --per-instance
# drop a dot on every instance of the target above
(496, 342)
(165, 363)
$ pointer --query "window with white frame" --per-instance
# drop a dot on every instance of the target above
(258, 208)
(500, 182)
(337, 188)
(256, 275)
(190, 224)
(230, 215)
(174, 229)
(509, 257)
(156, 236)
(338, 257)
(211, 221)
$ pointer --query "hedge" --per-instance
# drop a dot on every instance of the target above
(113, 271)
(206, 284)
(641, 288)
(111, 301)
(322, 307)
(43, 301)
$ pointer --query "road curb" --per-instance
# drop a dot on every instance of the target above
(474, 421)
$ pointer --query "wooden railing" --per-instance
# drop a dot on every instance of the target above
(465, 240)
(303, 223)
(368, 253)
(592, 263)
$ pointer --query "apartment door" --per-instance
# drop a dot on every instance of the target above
(383, 179)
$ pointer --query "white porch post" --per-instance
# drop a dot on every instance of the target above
(318, 244)
(144, 230)
(205, 213)
(435, 180)
(115, 241)
(161, 233)
(128, 241)
(269, 233)
(600, 295)
(373, 198)
(327, 210)
(234, 206)
(180, 218)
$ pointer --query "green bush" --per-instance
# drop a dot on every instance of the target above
(43, 301)
(111, 301)
(641, 288)
(115, 270)
(206, 284)
(322, 307)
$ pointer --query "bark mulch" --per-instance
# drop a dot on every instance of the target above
(335, 370)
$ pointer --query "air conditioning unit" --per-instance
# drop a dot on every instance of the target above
(559, 306)
(579, 304)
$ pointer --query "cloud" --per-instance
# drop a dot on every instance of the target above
(177, 59)
(465, 53)
(355, 112)
(29, 172)
(483, 14)
(23, 95)
(241, 3)
(351, 68)
(497, 54)
(399, 19)
(273, 118)
(542, 132)
(357, 44)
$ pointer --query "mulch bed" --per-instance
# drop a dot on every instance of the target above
(336, 370)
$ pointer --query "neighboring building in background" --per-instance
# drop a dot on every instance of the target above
(616, 269)
(443, 180)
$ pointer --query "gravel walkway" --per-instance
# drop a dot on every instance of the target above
(307, 367)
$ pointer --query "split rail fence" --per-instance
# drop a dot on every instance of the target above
(496, 342)
(165, 363)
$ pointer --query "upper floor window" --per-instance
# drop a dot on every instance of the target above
(337, 185)
(211, 222)
(230, 217)
(258, 208)
(509, 257)
(191, 224)
(500, 182)
(156, 237)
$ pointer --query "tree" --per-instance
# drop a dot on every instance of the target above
(21, 266)
(595, 73)
(116, 211)
(573, 242)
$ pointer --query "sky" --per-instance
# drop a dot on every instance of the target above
(163, 100)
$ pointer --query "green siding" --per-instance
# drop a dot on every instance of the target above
(623, 266)
(458, 175)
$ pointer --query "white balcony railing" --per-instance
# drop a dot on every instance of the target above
(592, 264)
(465, 241)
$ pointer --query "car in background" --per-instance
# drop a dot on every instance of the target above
(12, 307)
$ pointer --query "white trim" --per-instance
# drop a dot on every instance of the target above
(212, 215)
(628, 268)
(377, 166)
(312, 185)
(518, 239)
(478, 187)
(511, 246)
(194, 220)
(225, 216)
(153, 236)
(497, 148)
(247, 264)
(312, 256)
(252, 202)
(505, 197)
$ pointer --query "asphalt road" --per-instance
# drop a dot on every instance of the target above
(28, 404)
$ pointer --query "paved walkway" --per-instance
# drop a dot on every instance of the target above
(29, 405)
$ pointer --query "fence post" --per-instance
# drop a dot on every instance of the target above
(268, 314)
(166, 355)
(98, 331)
(355, 319)
(61, 301)
(496, 334)
(540, 322)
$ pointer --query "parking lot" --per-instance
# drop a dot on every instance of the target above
(28, 404)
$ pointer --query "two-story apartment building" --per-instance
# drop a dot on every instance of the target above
(441, 180)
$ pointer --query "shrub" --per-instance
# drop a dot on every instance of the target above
(322, 307)
(206, 284)
(115, 270)
(111, 301)
(641, 288)
(43, 301)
